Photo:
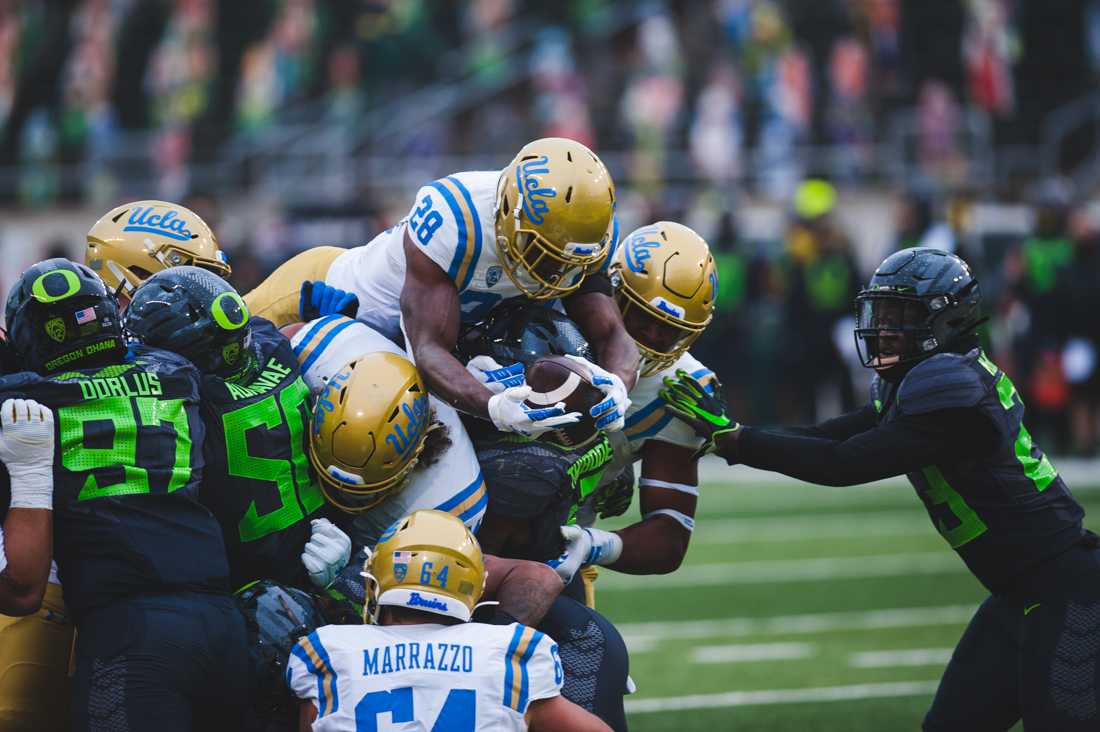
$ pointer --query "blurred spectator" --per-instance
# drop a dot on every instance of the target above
(823, 281)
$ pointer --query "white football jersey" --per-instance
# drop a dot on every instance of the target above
(453, 483)
(416, 678)
(452, 221)
(647, 418)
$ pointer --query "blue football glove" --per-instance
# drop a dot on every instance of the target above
(585, 546)
(319, 300)
(610, 414)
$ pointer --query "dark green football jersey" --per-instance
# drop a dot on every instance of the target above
(128, 464)
(258, 481)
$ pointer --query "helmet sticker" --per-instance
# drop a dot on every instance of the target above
(231, 352)
(167, 224)
(41, 290)
(668, 307)
(638, 249)
(583, 249)
(55, 329)
(534, 196)
(492, 275)
(233, 316)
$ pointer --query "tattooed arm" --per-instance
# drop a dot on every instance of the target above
(525, 590)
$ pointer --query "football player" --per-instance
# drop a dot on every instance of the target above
(420, 661)
(384, 448)
(161, 643)
(544, 227)
(257, 480)
(943, 414)
(665, 285)
(136, 240)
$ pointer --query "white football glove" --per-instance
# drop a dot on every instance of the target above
(493, 376)
(585, 546)
(326, 553)
(26, 447)
(610, 414)
(510, 414)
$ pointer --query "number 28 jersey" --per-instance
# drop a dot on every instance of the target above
(453, 222)
(469, 677)
(128, 462)
(258, 480)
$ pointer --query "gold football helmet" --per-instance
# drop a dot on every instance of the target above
(134, 241)
(554, 216)
(426, 561)
(369, 426)
(665, 285)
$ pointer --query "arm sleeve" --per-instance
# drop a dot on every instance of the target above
(907, 444)
(299, 677)
(3, 556)
(838, 428)
(440, 224)
(532, 668)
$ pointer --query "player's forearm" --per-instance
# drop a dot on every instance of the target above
(837, 428)
(525, 590)
(656, 545)
(449, 380)
(598, 318)
(27, 543)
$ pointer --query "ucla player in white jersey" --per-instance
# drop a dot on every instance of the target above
(665, 285)
(423, 457)
(544, 228)
(420, 664)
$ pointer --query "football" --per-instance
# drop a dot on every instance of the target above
(556, 379)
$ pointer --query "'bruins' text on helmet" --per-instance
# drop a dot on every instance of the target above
(369, 427)
(554, 216)
(426, 561)
(665, 285)
(133, 241)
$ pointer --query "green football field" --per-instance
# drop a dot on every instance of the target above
(798, 607)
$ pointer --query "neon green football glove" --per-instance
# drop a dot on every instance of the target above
(688, 400)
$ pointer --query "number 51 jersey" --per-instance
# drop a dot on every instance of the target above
(469, 677)
(127, 468)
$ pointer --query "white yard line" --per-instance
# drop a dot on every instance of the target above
(894, 659)
(812, 527)
(781, 696)
(770, 571)
(750, 652)
(647, 635)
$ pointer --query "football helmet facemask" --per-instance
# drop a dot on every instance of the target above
(919, 302)
(554, 216)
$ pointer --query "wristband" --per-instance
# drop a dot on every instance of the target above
(31, 488)
(606, 548)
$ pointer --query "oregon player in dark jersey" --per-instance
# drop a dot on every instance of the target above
(258, 481)
(947, 417)
(160, 642)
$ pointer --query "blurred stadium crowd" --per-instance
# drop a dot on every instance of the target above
(803, 138)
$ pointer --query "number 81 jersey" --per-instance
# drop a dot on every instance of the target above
(460, 678)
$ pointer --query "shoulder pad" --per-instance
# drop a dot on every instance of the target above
(945, 381)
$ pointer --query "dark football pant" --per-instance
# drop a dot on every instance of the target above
(169, 663)
(1033, 655)
(593, 656)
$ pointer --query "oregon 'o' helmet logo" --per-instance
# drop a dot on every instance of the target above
(55, 328)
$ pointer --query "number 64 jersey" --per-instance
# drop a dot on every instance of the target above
(460, 678)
